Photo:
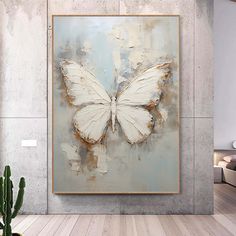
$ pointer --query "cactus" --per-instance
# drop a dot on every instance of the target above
(6, 200)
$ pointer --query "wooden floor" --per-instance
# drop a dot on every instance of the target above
(222, 223)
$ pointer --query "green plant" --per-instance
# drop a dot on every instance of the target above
(6, 200)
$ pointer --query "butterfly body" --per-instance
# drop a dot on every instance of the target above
(113, 113)
(129, 107)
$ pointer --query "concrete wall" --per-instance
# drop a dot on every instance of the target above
(225, 74)
(23, 104)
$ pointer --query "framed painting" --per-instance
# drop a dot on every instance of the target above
(115, 94)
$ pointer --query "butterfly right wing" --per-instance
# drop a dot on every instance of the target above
(81, 85)
(91, 122)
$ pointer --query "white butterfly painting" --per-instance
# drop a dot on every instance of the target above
(129, 107)
(115, 104)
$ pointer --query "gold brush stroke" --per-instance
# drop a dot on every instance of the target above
(178, 103)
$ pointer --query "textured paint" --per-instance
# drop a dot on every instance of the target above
(72, 153)
(80, 82)
(91, 122)
(102, 158)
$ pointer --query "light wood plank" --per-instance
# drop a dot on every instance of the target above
(230, 198)
(112, 225)
(179, 222)
(227, 206)
(81, 226)
(52, 226)
(192, 226)
(223, 220)
(67, 225)
(226, 209)
(107, 226)
(141, 227)
(115, 225)
(227, 191)
(17, 220)
(128, 226)
(211, 226)
(96, 225)
(153, 225)
(38, 225)
(169, 225)
(231, 216)
(226, 187)
(25, 224)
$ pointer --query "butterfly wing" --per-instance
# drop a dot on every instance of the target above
(81, 85)
(91, 122)
(136, 123)
(82, 88)
(145, 90)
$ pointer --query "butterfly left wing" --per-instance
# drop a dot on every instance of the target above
(81, 85)
(145, 89)
(83, 89)
(91, 122)
(136, 123)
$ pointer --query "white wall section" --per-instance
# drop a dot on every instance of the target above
(225, 74)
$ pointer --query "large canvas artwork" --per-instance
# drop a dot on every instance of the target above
(115, 104)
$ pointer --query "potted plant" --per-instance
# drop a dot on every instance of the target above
(6, 201)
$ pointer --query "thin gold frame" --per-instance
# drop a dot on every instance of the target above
(52, 129)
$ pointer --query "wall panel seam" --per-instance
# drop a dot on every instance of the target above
(197, 117)
(193, 91)
(47, 32)
(22, 117)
